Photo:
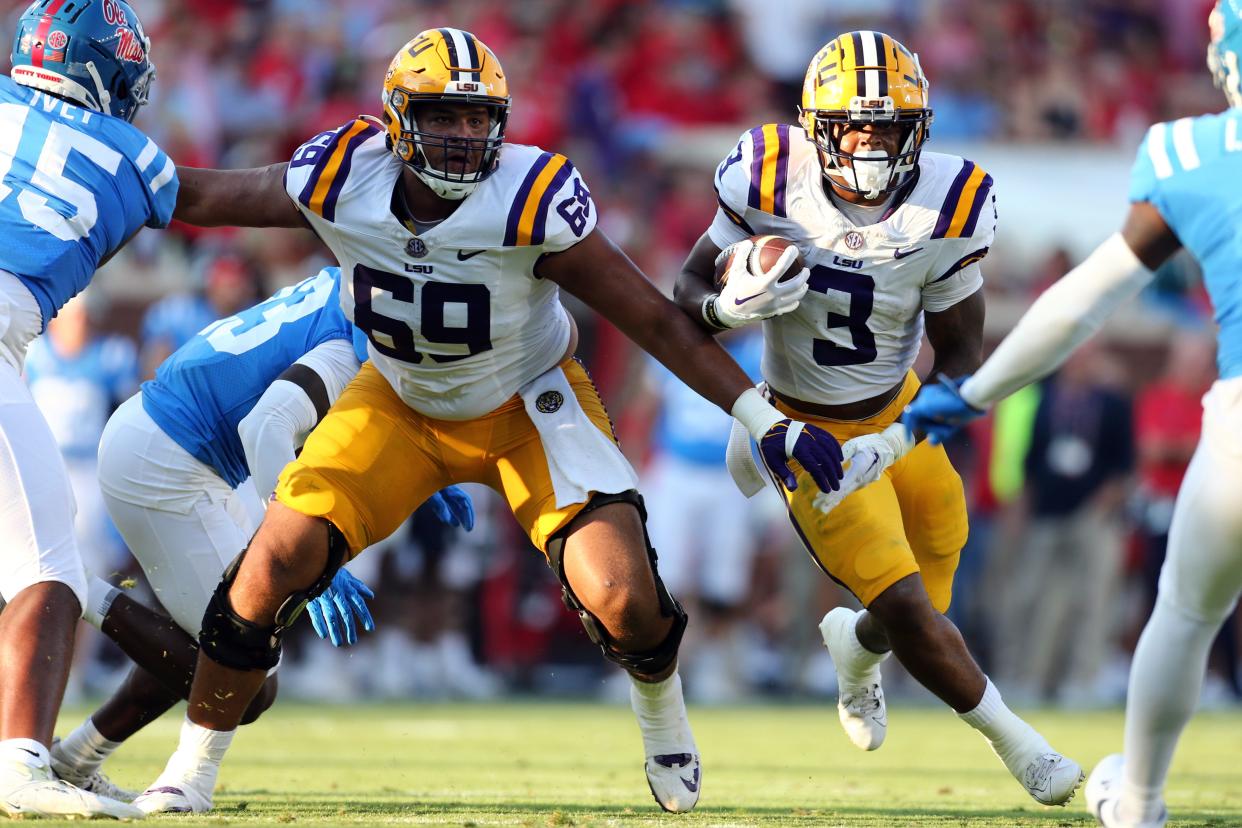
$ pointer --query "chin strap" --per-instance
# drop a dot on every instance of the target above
(102, 95)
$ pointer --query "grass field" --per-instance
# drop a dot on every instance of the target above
(580, 765)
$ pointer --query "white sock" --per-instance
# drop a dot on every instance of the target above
(86, 748)
(862, 663)
(99, 597)
(1012, 739)
(198, 756)
(661, 711)
(27, 751)
(1165, 681)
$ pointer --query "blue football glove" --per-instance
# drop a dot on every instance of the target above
(816, 450)
(453, 507)
(939, 410)
(332, 613)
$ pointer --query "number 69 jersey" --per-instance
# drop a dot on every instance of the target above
(857, 331)
(457, 320)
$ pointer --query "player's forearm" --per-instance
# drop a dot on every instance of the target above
(235, 198)
(694, 357)
(1064, 317)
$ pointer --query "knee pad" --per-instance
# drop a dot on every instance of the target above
(648, 662)
(240, 644)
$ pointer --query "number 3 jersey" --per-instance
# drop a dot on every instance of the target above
(857, 331)
(456, 317)
(74, 186)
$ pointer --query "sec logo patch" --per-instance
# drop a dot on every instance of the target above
(549, 402)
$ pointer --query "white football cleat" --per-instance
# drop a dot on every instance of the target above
(675, 779)
(96, 781)
(185, 787)
(30, 790)
(1104, 796)
(1051, 779)
(860, 704)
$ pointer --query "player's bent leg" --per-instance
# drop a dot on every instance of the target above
(291, 560)
(609, 575)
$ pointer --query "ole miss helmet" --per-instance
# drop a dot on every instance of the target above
(445, 65)
(92, 52)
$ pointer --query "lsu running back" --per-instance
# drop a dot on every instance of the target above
(892, 236)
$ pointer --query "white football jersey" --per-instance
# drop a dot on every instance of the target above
(457, 319)
(857, 331)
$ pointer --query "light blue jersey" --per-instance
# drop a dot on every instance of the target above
(211, 383)
(74, 186)
(1190, 170)
(689, 427)
(78, 393)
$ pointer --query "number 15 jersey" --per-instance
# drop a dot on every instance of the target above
(457, 319)
(857, 331)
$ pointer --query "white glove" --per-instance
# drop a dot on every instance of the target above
(748, 296)
(868, 456)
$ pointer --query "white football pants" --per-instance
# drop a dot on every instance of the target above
(36, 502)
(1199, 587)
(183, 523)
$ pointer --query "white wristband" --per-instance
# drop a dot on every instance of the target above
(756, 413)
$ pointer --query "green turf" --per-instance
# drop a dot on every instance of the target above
(580, 765)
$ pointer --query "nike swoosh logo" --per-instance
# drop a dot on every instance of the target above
(692, 784)
(901, 254)
(746, 299)
(31, 752)
(462, 255)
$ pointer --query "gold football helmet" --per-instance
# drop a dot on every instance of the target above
(445, 65)
(866, 78)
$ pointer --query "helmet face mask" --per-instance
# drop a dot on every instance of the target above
(863, 79)
(433, 85)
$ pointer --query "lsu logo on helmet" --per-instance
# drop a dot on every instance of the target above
(446, 66)
(866, 77)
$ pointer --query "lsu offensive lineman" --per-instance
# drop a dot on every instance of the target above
(1184, 191)
(893, 237)
(453, 246)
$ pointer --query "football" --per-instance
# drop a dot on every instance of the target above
(763, 255)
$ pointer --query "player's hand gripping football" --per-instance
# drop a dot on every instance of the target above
(750, 292)
(868, 456)
(940, 410)
(332, 613)
(453, 507)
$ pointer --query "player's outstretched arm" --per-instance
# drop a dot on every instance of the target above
(603, 277)
(235, 198)
(1073, 309)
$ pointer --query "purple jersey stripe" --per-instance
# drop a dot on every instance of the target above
(981, 197)
(782, 167)
(342, 173)
(734, 217)
(519, 201)
(541, 212)
(950, 201)
(965, 261)
(754, 198)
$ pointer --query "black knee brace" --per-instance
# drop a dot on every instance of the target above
(647, 662)
(236, 642)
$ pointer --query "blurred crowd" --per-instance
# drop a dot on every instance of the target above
(1070, 483)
